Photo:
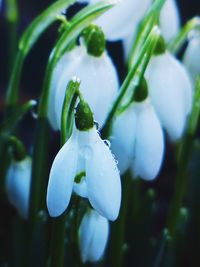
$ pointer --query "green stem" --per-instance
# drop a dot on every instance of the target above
(18, 148)
(177, 42)
(182, 172)
(12, 21)
(118, 228)
(144, 29)
(28, 39)
(141, 62)
(68, 108)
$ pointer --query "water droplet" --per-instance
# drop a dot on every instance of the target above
(96, 125)
(107, 143)
(34, 113)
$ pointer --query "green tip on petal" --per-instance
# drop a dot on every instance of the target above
(160, 46)
(95, 40)
(84, 117)
(141, 91)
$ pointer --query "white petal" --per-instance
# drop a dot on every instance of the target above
(99, 82)
(62, 176)
(123, 137)
(170, 91)
(102, 178)
(119, 21)
(18, 180)
(192, 58)
(169, 20)
(93, 236)
(149, 143)
(81, 188)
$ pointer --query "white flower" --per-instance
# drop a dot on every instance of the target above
(118, 21)
(169, 23)
(85, 152)
(137, 140)
(93, 236)
(169, 20)
(18, 180)
(191, 57)
(99, 83)
(170, 90)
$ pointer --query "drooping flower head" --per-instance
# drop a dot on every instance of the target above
(137, 140)
(86, 165)
(170, 90)
(99, 82)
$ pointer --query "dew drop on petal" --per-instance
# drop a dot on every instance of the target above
(96, 124)
(107, 143)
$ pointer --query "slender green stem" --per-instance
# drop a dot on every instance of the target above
(68, 108)
(18, 148)
(118, 227)
(177, 42)
(12, 23)
(15, 115)
(28, 39)
(144, 29)
(141, 63)
(182, 172)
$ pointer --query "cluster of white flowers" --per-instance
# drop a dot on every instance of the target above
(137, 138)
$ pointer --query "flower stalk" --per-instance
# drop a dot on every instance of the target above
(184, 156)
(192, 25)
(140, 64)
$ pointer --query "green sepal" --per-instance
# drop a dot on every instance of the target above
(141, 91)
(95, 40)
(84, 117)
(160, 46)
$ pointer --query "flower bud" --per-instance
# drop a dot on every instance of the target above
(18, 182)
(93, 236)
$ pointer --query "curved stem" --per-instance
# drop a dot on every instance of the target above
(182, 172)
(177, 42)
(141, 63)
(28, 39)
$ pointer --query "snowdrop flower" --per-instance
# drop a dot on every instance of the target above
(170, 90)
(93, 236)
(169, 27)
(191, 57)
(85, 164)
(99, 83)
(137, 140)
(18, 182)
(118, 22)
